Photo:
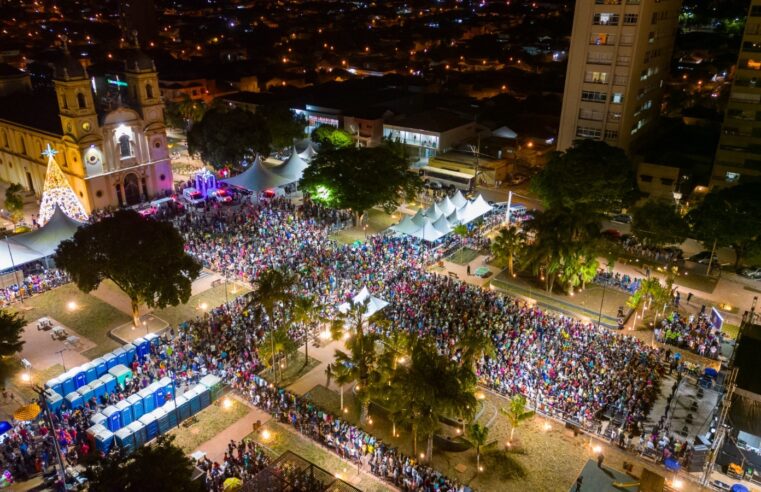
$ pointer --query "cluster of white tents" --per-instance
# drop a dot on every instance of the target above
(38, 244)
(372, 304)
(441, 217)
(260, 177)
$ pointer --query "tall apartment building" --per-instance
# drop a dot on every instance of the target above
(620, 53)
(739, 154)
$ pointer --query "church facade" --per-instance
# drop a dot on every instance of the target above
(111, 146)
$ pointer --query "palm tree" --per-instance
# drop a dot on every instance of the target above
(272, 293)
(508, 245)
(475, 343)
(342, 375)
(362, 362)
(516, 413)
(306, 312)
(477, 435)
(281, 344)
(431, 387)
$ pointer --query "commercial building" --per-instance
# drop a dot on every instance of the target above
(108, 132)
(619, 55)
(739, 154)
(429, 133)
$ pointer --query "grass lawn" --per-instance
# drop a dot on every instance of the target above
(174, 315)
(551, 459)
(293, 371)
(91, 319)
(463, 256)
(284, 439)
(209, 422)
(377, 221)
(38, 377)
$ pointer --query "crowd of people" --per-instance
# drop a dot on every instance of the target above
(242, 460)
(32, 283)
(694, 333)
(618, 281)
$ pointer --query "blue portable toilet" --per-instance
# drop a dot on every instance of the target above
(183, 408)
(110, 360)
(86, 393)
(98, 389)
(131, 353)
(151, 426)
(93, 431)
(204, 395)
(67, 382)
(109, 382)
(153, 339)
(168, 385)
(136, 402)
(172, 414)
(113, 422)
(138, 433)
(149, 404)
(98, 418)
(121, 373)
(91, 372)
(56, 384)
(125, 411)
(100, 366)
(125, 440)
(194, 400)
(141, 347)
(163, 420)
(74, 400)
(121, 355)
(104, 440)
(158, 394)
(80, 377)
(53, 400)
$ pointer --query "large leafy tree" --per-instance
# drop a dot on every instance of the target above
(284, 125)
(14, 203)
(359, 179)
(226, 137)
(273, 296)
(11, 329)
(729, 217)
(143, 257)
(185, 112)
(331, 137)
(161, 467)
(432, 387)
(564, 245)
(591, 174)
(657, 223)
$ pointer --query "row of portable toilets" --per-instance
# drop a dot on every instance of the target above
(136, 422)
(139, 418)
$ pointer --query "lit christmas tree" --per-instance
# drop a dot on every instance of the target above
(58, 192)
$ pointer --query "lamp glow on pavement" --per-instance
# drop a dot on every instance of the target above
(71, 305)
(26, 377)
(597, 449)
(266, 435)
(677, 484)
(227, 404)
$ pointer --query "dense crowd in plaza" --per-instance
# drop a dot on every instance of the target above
(694, 333)
(619, 281)
(32, 283)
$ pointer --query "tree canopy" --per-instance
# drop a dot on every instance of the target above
(160, 467)
(284, 125)
(185, 112)
(591, 174)
(332, 137)
(11, 328)
(730, 217)
(225, 137)
(14, 203)
(657, 223)
(358, 179)
(143, 257)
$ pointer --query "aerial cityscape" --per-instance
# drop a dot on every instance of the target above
(347, 245)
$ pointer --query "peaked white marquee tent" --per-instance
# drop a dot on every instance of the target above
(440, 218)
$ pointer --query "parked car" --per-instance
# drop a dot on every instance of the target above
(221, 195)
(622, 218)
(751, 272)
(703, 257)
(193, 197)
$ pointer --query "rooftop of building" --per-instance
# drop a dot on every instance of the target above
(432, 120)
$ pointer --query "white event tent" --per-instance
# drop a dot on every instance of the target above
(257, 178)
(374, 304)
(441, 217)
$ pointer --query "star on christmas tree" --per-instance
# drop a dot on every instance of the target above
(58, 192)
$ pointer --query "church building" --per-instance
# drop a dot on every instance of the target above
(108, 131)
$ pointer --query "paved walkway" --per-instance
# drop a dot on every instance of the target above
(325, 354)
(43, 351)
(216, 447)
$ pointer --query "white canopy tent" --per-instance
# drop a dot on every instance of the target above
(292, 169)
(36, 245)
(439, 218)
(373, 304)
(257, 178)
(308, 153)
